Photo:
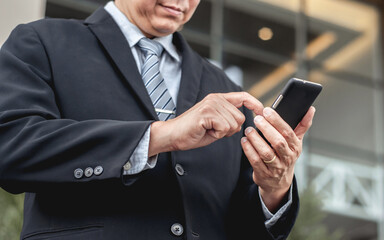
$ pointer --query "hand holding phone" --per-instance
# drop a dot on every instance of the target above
(294, 100)
(273, 169)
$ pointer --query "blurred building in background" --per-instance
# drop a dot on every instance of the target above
(263, 43)
(15, 12)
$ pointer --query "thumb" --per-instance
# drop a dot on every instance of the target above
(305, 123)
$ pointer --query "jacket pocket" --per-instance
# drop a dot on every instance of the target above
(93, 232)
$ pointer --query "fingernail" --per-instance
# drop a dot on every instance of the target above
(248, 130)
(267, 111)
(258, 118)
(244, 139)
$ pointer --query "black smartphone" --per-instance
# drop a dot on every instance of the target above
(295, 99)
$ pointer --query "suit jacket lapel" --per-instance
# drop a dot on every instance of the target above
(114, 42)
(191, 75)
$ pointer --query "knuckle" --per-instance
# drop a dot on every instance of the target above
(254, 158)
(252, 136)
(257, 158)
(280, 144)
(259, 121)
(241, 119)
(291, 134)
(288, 134)
(268, 155)
(250, 154)
(245, 95)
(235, 126)
(309, 124)
(278, 175)
(212, 96)
(227, 128)
(201, 122)
(232, 124)
(206, 109)
(287, 160)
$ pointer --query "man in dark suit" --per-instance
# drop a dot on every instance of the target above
(82, 133)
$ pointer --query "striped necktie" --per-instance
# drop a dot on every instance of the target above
(154, 82)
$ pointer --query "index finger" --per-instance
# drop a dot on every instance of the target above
(239, 99)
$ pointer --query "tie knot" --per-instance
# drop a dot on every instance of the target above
(150, 46)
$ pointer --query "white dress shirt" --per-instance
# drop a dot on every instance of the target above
(170, 68)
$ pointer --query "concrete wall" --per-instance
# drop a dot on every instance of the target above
(14, 12)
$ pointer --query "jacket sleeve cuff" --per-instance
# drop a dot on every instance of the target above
(139, 160)
(271, 218)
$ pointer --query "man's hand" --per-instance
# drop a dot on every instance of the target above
(273, 168)
(213, 118)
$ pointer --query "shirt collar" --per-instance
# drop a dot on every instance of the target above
(133, 34)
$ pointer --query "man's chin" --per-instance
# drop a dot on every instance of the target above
(167, 28)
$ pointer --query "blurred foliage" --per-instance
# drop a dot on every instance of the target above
(11, 215)
(310, 222)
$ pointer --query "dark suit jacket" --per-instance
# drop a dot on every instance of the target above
(71, 97)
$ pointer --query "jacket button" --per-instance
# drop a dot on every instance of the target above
(127, 166)
(179, 169)
(78, 173)
(98, 170)
(177, 229)
(88, 171)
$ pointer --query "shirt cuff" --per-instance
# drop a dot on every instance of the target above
(139, 160)
(271, 218)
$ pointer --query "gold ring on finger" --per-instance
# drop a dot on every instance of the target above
(270, 161)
